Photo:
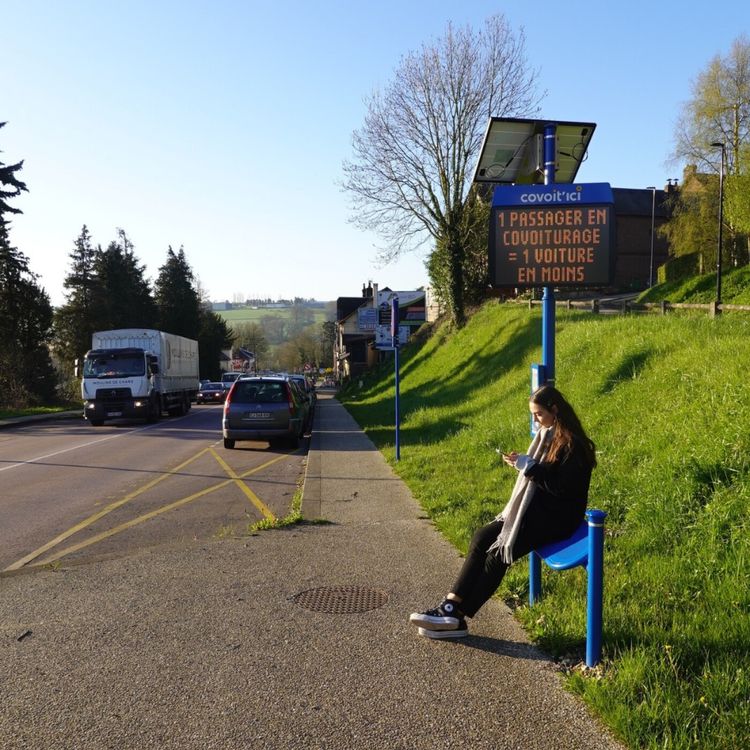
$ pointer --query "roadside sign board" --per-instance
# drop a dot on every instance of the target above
(398, 313)
(367, 318)
(561, 234)
(394, 317)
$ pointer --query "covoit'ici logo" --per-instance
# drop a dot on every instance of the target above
(554, 195)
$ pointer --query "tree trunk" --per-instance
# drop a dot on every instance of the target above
(456, 255)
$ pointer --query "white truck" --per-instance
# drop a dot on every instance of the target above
(135, 372)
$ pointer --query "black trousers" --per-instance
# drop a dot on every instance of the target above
(482, 573)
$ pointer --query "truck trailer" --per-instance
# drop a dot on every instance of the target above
(138, 373)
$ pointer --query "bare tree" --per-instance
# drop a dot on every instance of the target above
(410, 177)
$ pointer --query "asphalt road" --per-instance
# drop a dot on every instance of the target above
(71, 491)
(291, 639)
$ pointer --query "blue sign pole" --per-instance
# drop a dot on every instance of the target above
(548, 297)
(394, 336)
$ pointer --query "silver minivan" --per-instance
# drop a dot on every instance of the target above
(264, 408)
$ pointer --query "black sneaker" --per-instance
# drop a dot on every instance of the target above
(446, 616)
(460, 631)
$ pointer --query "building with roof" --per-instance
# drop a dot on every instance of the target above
(362, 334)
(635, 211)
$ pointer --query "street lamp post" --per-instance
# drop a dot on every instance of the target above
(652, 188)
(718, 144)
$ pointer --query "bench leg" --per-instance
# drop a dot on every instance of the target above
(535, 578)
(595, 569)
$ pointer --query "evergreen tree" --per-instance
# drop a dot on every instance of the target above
(214, 335)
(177, 300)
(10, 186)
(26, 371)
(75, 320)
(475, 267)
(121, 298)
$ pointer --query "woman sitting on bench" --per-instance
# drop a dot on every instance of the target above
(547, 504)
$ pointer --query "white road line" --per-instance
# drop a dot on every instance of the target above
(73, 448)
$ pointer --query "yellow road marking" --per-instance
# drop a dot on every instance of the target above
(254, 499)
(147, 516)
(100, 514)
(129, 524)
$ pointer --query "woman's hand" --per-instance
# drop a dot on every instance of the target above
(510, 458)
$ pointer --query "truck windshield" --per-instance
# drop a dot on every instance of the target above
(114, 366)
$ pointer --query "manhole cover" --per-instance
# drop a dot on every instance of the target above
(341, 600)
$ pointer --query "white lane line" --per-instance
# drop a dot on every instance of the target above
(73, 448)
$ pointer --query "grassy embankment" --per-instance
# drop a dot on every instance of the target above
(666, 401)
(735, 289)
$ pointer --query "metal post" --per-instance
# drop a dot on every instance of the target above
(721, 224)
(595, 594)
(535, 578)
(394, 339)
(653, 212)
(548, 297)
(398, 419)
(548, 334)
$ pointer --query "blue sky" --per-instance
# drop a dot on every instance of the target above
(222, 126)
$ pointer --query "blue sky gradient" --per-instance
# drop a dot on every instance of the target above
(222, 126)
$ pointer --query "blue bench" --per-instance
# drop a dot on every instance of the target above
(585, 547)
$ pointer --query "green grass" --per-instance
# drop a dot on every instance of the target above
(34, 410)
(290, 519)
(666, 401)
(735, 289)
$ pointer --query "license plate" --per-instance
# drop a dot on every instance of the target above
(258, 415)
(114, 413)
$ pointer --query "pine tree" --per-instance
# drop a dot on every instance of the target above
(214, 335)
(121, 298)
(177, 300)
(26, 371)
(75, 321)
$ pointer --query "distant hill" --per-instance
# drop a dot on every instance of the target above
(240, 314)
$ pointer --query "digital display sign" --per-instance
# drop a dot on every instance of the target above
(552, 235)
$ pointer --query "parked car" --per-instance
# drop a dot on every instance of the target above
(229, 377)
(264, 408)
(211, 393)
(308, 391)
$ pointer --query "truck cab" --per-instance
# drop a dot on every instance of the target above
(137, 373)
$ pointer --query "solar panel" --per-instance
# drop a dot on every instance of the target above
(513, 150)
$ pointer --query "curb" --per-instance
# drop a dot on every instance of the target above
(311, 486)
(31, 418)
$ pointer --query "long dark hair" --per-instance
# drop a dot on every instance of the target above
(567, 427)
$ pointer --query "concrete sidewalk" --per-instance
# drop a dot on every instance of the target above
(296, 638)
